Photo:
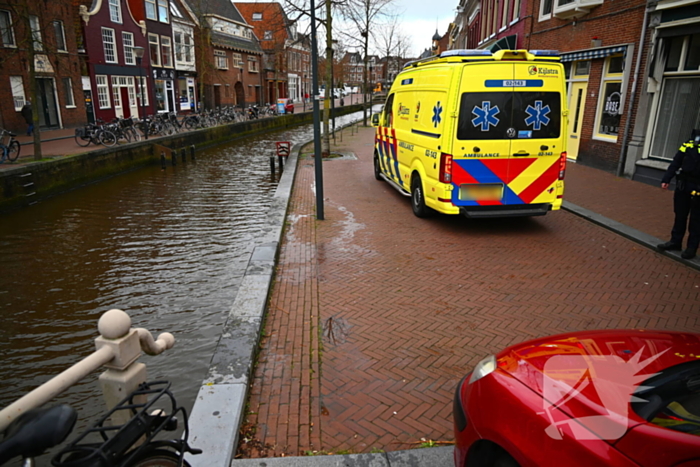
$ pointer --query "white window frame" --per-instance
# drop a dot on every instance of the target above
(142, 82)
(237, 60)
(103, 99)
(516, 12)
(166, 51)
(253, 66)
(18, 96)
(58, 27)
(128, 44)
(220, 59)
(179, 46)
(153, 13)
(36, 32)
(267, 36)
(108, 33)
(116, 93)
(10, 33)
(257, 16)
(607, 78)
(506, 12)
(68, 89)
(188, 48)
(164, 9)
(115, 11)
(546, 16)
(155, 61)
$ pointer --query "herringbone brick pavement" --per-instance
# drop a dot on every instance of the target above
(376, 315)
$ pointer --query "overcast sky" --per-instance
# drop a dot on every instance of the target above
(422, 17)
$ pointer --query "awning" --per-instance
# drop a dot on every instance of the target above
(504, 43)
(600, 52)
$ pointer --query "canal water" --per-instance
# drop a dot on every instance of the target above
(168, 247)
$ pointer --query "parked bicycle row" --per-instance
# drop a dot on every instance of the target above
(127, 130)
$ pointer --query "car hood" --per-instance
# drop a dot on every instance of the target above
(592, 375)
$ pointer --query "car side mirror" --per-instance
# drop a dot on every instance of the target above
(375, 120)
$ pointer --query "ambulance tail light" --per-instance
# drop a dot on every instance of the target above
(562, 165)
(445, 168)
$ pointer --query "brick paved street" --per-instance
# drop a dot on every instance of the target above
(376, 314)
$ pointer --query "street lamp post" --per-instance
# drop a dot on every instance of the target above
(138, 52)
(334, 46)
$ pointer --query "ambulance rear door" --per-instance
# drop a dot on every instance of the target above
(482, 147)
(537, 141)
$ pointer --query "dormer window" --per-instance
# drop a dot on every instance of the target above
(268, 36)
(257, 16)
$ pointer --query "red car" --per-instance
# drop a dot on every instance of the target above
(598, 398)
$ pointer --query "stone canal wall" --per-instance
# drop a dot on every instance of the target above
(25, 184)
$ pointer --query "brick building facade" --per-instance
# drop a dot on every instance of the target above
(599, 44)
(59, 97)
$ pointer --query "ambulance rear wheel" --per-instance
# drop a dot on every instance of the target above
(418, 198)
(377, 170)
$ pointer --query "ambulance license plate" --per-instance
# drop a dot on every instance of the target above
(481, 192)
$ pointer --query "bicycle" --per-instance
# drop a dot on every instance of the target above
(153, 410)
(10, 151)
(95, 134)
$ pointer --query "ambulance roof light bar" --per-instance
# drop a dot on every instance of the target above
(545, 53)
(466, 53)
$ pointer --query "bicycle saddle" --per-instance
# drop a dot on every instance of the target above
(11, 134)
(36, 431)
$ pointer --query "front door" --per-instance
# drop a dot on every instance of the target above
(48, 110)
(577, 102)
(125, 102)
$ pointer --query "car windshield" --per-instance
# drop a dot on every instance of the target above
(672, 398)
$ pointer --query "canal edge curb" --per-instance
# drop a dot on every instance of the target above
(637, 236)
(219, 407)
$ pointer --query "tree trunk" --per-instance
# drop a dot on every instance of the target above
(329, 84)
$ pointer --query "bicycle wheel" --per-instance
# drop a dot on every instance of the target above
(13, 150)
(135, 135)
(158, 458)
(107, 138)
(82, 138)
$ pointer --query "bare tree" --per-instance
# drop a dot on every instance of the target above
(364, 16)
(392, 44)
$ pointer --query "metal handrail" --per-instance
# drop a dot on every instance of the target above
(118, 348)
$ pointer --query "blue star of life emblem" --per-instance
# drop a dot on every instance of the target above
(537, 115)
(485, 116)
(437, 110)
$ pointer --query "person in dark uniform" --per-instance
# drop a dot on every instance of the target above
(28, 117)
(686, 200)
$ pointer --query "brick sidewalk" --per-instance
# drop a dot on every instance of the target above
(376, 314)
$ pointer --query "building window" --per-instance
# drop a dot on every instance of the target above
(116, 93)
(257, 16)
(68, 90)
(154, 49)
(221, 60)
(268, 36)
(163, 11)
(109, 45)
(582, 68)
(143, 89)
(17, 92)
(102, 91)
(167, 51)
(237, 60)
(505, 14)
(610, 102)
(60, 36)
(115, 11)
(545, 9)
(151, 9)
(179, 48)
(252, 64)
(128, 41)
(7, 35)
(516, 10)
(36, 32)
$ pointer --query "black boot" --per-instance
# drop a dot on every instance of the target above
(689, 253)
(669, 246)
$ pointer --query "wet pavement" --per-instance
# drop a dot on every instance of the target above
(375, 314)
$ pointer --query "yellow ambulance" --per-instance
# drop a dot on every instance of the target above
(476, 133)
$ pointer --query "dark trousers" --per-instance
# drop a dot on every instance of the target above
(686, 206)
(30, 129)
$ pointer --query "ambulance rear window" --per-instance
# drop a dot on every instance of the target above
(509, 115)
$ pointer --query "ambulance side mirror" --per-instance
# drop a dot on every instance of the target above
(375, 119)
